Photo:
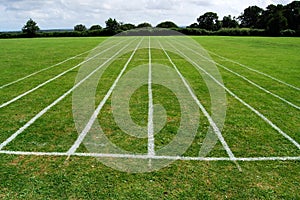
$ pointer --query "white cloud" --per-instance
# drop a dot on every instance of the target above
(67, 13)
(162, 5)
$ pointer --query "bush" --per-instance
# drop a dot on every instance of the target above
(240, 32)
(194, 31)
(233, 32)
(258, 32)
(288, 33)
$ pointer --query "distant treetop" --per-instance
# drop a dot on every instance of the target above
(95, 27)
(30, 28)
(167, 24)
(112, 25)
(144, 25)
(80, 28)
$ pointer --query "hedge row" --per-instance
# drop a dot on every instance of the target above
(185, 31)
(237, 32)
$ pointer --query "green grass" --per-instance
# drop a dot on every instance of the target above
(50, 177)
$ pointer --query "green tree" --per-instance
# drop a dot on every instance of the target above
(250, 17)
(268, 14)
(194, 25)
(80, 28)
(209, 21)
(228, 22)
(95, 27)
(144, 25)
(276, 24)
(112, 25)
(126, 27)
(167, 24)
(292, 14)
(273, 19)
(30, 28)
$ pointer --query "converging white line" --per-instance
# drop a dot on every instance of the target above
(247, 80)
(211, 121)
(259, 72)
(242, 101)
(54, 78)
(93, 118)
(44, 69)
(41, 113)
(151, 145)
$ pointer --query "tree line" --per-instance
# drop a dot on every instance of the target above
(275, 20)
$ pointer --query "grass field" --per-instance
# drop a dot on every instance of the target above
(261, 128)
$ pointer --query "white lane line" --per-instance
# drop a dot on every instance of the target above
(146, 157)
(151, 146)
(269, 159)
(41, 113)
(52, 79)
(243, 102)
(247, 80)
(257, 71)
(93, 118)
(25, 153)
(211, 121)
(44, 69)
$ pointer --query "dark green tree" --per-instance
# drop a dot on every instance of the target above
(30, 28)
(267, 15)
(126, 27)
(144, 25)
(292, 14)
(209, 21)
(276, 24)
(95, 27)
(273, 19)
(112, 25)
(80, 28)
(167, 24)
(249, 18)
(194, 25)
(228, 22)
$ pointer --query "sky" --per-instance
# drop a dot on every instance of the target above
(65, 14)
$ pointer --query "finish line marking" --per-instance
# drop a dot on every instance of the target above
(146, 157)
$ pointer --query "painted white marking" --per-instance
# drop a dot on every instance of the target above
(44, 69)
(257, 71)
(52, 79)
(93, 118)
(243, 102)
(25, 153)
(151, 146)
(211, 121)
(249, 81)
(41, 113)
(146, 157)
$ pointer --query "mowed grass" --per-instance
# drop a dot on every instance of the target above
(50, 177)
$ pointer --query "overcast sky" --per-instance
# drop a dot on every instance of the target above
(50, 14)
